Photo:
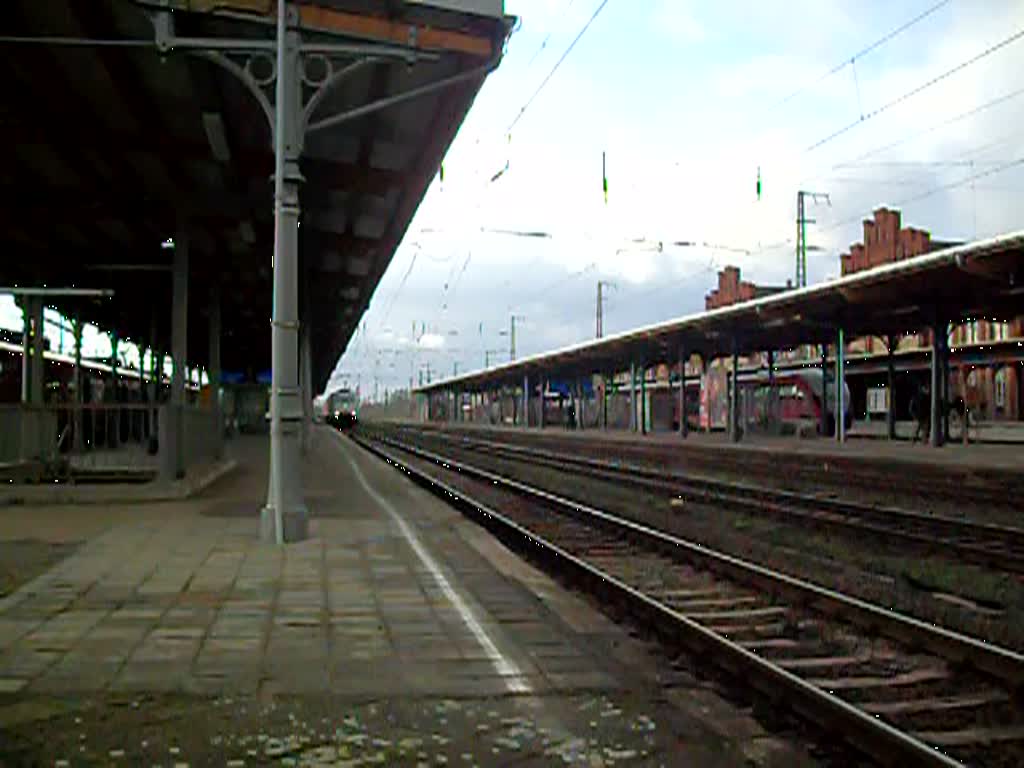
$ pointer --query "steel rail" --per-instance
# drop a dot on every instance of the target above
(750, 498)
(883, 742)
(1001, 663)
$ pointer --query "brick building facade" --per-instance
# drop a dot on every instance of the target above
(993, 391)
(732, 290)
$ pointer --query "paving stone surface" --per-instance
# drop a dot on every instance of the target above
(394, 599)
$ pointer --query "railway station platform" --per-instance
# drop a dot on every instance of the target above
(399, 633)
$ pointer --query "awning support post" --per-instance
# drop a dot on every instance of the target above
(823, 429)
(526, 400)
(78, 439)
(604, 399)
(633, 421)
(840, 386)
(214, 373)
(171, 437)
(937, 417)
(581, 407)
(683, 426)
(890, 384)
(734, 394)
(285, 517)
(643, 398)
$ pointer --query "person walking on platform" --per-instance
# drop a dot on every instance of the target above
(920, 412)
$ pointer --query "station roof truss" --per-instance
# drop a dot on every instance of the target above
(982, 279)
(122, 133)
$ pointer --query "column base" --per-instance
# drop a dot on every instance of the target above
(295, 524)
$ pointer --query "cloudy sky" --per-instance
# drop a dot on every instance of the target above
(688, 99)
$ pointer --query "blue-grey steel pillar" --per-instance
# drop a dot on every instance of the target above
(171, 429)
(772, 395)
(214, 373)
(683, 426)
(824, 390)
(541, 400)
(33, 352)
(28, 305)
(734, 395)
(643, 397)
(840, 386)
(580, 407)
(890, 384)
(937, 417)
(526, 400)
(703, 384)
(285, 517)
(632, 397)
(38, 350)
(605, 381)
(78, 439)
(113, 420)
(944, 376)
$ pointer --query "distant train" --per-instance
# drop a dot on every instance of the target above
(341, 409)
(797, 400)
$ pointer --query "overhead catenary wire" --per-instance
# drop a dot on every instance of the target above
(919, 89)
(998, 100)
(554, 69)
(860, 54)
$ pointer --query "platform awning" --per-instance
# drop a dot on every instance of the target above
(983, 279)
(115, 145)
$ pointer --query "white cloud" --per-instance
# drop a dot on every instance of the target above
(685, 127)
(431, 341)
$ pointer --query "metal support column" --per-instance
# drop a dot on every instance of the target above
(27, 312)
(703, 383)
(734, 395)
(938, 342)
(526, 400)
(605, 381)
(78, 438)
(773, 399)
(172, 442)
(890, 385)
(214, 373)
(285, 517)
(633, 426)
(946, 388)
(581, 409)
(38, 372)
(840, 386)
(683, 426)
(154, 360)
(643, 398)
(823, 429)
(113, 420)
(540, 398)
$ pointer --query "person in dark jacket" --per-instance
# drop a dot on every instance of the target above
(921, 413)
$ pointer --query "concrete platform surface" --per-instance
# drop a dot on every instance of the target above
(398, 634)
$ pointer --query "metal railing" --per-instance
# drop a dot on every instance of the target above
(65, 439)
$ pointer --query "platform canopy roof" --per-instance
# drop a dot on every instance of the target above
(983, 279)
(114, 146)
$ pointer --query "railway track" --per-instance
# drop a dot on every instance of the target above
(922, 483)
(902, 691)
(992, 546)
